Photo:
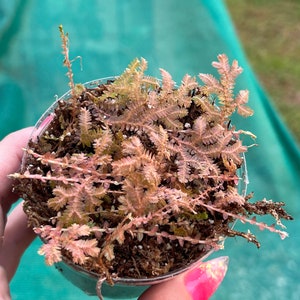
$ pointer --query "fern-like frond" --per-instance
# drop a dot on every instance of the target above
(151, 175)
(74, 212)
(206, 134)
(92, 196)
(200, 126)
(149, 83)
(241, 101)
(78, 201)
(82, 249)
(171, 120)
(184, 91)
(203, 132)
(62, 196)
(52, 252)
(167, 82)
(103, 142)
(85, 124)
(126, 76)
(230, 196)
(125, 166)
(226, 71)
(223, 88)
(186, 163)
(133, 146)
(210, 111)
(212, 85)
(134, 199)
(177, 199)
(135, 156)
(212, 135)
(139, 193)
(133, 112)
(68, 238)
(233, 152)
(129, 84)
(161, 141)
(228, 76)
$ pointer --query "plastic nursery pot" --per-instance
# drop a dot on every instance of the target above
(89, 282)
(123, 288)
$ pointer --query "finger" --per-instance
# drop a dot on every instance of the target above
(4, 287)
(2, 225)
(10, 160)
(197, 284)
(17, 237)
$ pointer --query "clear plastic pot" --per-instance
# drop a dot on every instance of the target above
(89, 282)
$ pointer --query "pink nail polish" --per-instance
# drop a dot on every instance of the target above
(203, 281)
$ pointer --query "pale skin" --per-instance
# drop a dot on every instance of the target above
(16, 236)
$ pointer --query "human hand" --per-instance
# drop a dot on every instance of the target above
(198, 283)
(15, 236)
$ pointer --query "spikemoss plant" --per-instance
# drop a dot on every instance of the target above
(136, 177)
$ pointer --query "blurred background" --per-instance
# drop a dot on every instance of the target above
(181, 37)
(270, 34)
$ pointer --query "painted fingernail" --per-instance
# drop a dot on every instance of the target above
(203, 281)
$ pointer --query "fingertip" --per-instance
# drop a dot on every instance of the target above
(10, 161)
(198, 283)
(203, 280)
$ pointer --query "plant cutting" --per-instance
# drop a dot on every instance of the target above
(135, 178)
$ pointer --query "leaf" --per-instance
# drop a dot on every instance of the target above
(212, 134)
(91, 197)
(210, 111)
(85, 123)
(230, 196)
(125, 166)
(234, 152)
(168, 114)
(52, 253)
(103, 142)
(151, 175)
(212, 85)
(161, 141)
(241, 99)
(225, 69)
(77, 230)
(167, 82)
(133, 201)
(62, 196)
(171, 119)
(133, 146)
(108, 252)
(200, 126)
(188, 83)
(85, 120)
(244, 111)
(185, 90)
(81, 249)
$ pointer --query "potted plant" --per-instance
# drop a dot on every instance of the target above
(130, 179)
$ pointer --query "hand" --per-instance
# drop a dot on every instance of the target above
(15, 236)
(196, 284)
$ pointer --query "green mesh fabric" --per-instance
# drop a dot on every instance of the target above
(181, 37)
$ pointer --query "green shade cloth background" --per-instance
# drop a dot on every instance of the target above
(181, 37)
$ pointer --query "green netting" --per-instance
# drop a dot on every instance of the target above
(182, 37)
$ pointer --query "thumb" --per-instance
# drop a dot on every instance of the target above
(196, 284)
(4, 287)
